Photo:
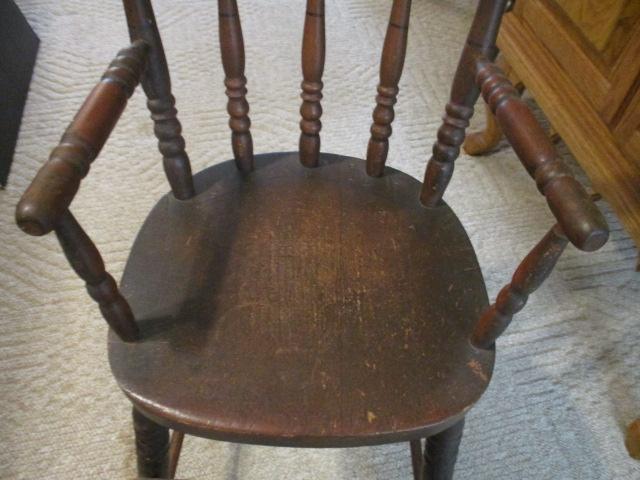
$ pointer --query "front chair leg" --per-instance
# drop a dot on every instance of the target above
(441, 452)
(152, 447)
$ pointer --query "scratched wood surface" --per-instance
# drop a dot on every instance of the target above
(298, 264)
(566, 365)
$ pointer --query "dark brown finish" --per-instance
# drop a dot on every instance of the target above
(18, 49)
(152, 446)
(266, 316)
(87, 263)
(313, 48)
(52, 190)
(580, 219)
(175, 447)
(393, 54)
(156, 83)
(441, 452)
(533, 270)
(464, 94)
(232, 51)
(333, 357)
(417, 459)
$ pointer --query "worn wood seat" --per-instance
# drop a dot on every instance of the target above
(299, 306)
(304, 299)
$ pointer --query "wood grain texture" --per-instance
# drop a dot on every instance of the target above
(613, 174)
(391, 64)
(533, 270)
(50, 193)
(313, 54)
(581, 220)
(341, 304)
(233, 60)
(464, 94)
(156, 83)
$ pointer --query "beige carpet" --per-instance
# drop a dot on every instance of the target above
(567, 377)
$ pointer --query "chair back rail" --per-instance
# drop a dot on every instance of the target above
(580, 219)
(391, 64)
(464, 94)
(156, 83)
(52, 190)
(313, 54)
(233, 61)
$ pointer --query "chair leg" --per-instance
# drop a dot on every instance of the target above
(152, 447)
(175, 447)
(417, 460)
(441, 452)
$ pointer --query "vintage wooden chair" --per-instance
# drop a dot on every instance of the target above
(334, 304)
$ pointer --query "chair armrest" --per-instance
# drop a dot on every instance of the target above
(55, 185)
(580, 219)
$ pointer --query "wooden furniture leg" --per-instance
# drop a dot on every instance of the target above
(479, 143)
(152, 447)
(632, 440)
(441, 452)
(175, 447)
(417, 460)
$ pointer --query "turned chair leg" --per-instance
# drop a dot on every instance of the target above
(441, 452)
(417, 460)
(152, 447)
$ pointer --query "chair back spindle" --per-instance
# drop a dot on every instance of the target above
(156, 83)
(88, 264)
(233, 61)
(530, 274)
(391, 64)
(464, 94)
(313, 53)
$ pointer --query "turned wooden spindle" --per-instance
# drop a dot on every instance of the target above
(156, 83)
(464, 94)
(232, 50)
(530, 274)
(581, 220)
(57, 182)
(393, 55)
(313, 52)
(88, 264)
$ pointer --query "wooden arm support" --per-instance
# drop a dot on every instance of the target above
(530, 274)
(580, 219)
(52, 190)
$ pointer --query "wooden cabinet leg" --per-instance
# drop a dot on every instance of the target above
(152, 447)
(479, 143)
(441, 452)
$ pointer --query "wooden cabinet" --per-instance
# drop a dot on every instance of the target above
(580, 59)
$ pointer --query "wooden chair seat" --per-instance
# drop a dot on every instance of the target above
(303, 307)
